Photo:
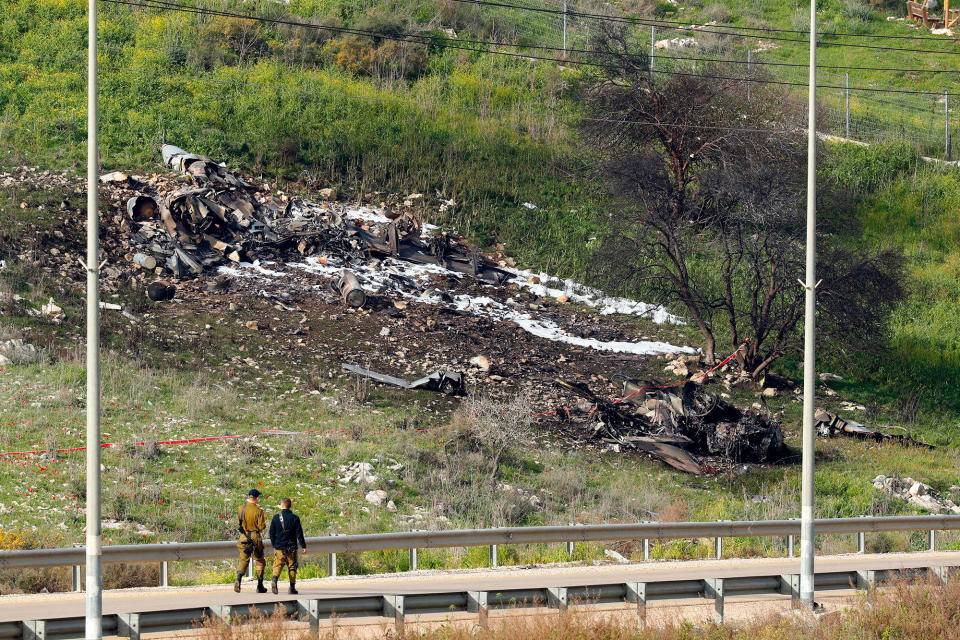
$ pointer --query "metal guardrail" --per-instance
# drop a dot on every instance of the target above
(396, 608)
(145, 553)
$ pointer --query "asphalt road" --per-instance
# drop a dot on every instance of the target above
(54, 605)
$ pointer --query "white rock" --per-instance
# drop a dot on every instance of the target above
(481, 362)
(19, 352)
(51, 310)
(376, 497)
(769, 392)
(391, 506)
(4, 360)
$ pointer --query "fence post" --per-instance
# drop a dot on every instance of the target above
(749, 60)
(846, 101)
(718, 547)
(946, 123)
(477, 603)
(393, 608)
(413, 559)
(493, 556)
(77, 574)
(932, 539)
(715, 590)
(637, 592)
(165, 572)
(646, 548)
(128, 625)
(653, 41)
(310, 609)
(790, 545)
(557, 598)
(564, 29)
(861, 540)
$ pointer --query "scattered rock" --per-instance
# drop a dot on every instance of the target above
(918, 494)
(677, 43)
(358, 472)
(376, 497)
(16, 351)
(830, 376)
(252, 325)
(481, 362)
(391, 506)
(52, 311)
(769, 392)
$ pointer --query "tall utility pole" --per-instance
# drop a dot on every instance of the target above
(94, 627)
(809, 332)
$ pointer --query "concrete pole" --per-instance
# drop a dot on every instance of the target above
(653, 42)
(809, 333)
(846, 100)
(946, 123)
(564, 29)
(94, 608)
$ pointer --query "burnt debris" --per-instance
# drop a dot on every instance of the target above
(446, 382)
(221, 218)
(681, 425)
(830, 425)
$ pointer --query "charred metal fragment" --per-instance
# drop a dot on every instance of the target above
(679, 424)
(347, 286)
(830, 425)
(447, 382)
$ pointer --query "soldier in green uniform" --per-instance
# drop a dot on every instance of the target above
(253, 521)
(286, 533)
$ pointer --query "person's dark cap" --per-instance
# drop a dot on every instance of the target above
(254, 493)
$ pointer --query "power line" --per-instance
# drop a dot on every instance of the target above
(803, 66)
(435, 40)
(453, 44)
(686, 25)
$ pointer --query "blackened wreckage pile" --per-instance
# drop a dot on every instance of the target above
(222, 218)
(681, 425)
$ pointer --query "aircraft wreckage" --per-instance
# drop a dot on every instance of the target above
(222, 218)
(681, 425)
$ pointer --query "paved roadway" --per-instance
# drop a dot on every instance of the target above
(45, 606)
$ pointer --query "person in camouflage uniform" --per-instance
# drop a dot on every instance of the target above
(253, 520)
(285, 533)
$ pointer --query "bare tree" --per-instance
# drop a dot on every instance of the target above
(710, 188)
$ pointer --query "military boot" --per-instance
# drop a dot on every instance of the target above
(260, 587)
(293, 588)
(273, 587)
(236, 583)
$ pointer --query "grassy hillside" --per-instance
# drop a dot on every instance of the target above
(490, 133)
